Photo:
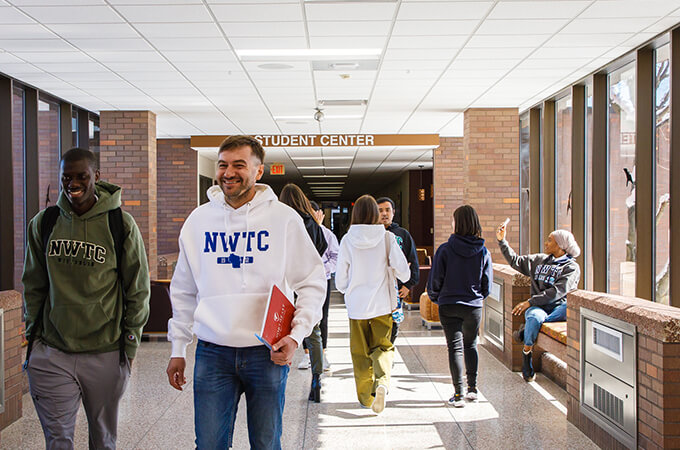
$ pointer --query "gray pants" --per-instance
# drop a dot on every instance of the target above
(58, 381)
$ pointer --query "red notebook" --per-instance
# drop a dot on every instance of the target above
(277, 318)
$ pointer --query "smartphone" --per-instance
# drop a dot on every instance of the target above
(506, 222)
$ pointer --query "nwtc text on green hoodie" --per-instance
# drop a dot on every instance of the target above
(76, 278)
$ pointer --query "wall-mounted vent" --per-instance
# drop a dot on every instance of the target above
(608, 404)
(495, 327)
(608, 341)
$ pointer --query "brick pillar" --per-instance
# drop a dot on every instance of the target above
(178, 162)
(10, 302)
(491, 149)
(128, 159)
(449, 185)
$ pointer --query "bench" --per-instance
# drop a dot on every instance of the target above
(550, 352)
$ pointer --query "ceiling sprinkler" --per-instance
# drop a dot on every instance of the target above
(319, 115)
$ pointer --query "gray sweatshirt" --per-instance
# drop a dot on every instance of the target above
(551, 279)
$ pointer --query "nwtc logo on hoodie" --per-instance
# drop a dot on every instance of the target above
(230, 242)
(70, 249)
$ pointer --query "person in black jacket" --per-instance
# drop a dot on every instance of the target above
(459, 282)
(293, 196)
(408, 247)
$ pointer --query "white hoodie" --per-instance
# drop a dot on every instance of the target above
(361, 273)
(228, 261)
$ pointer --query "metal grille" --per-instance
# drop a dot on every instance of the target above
(607, 340)
(494, 328)
(608, 404)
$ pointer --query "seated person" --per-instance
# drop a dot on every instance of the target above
(553, 274)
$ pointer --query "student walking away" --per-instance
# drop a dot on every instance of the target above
(459, 283)
(86, 298)
(293, 196)
(553, 274)
(330, 260)
(408, 247)
(368, 263)
(232, 250)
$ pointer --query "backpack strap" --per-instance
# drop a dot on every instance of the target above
(47, 222)
(117, 229)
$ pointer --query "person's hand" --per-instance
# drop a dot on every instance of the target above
(175, 373)
(500, 232)
(403, 292)
(282, 352)
(519, 309)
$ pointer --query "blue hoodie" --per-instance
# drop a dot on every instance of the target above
(461, 272)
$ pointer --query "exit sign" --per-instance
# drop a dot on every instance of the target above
(277, 169)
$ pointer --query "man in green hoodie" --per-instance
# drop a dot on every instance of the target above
(84, 321)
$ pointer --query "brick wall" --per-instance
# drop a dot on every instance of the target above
(178, 164)
(449, 185)
(128, 159)
(658, 367)
(10, 302)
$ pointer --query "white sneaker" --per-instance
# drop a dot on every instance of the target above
(378, 405)
(471, 395)
(456, 401)
(305, 363)
(326, 364)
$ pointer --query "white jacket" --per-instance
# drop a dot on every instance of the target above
(228, 261)
(361, 273)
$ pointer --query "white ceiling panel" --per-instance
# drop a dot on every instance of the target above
(20, 70)
(603, 26)
(453, 128)
(60, 67)
(256, 13)
(10, 15)
(587, 40)
(416, 54)
(538, 9)
(132, 56)
(94, 45)
(34, 45)
(250, 43)
(323, 42)
(455, 41)
(606, 9)
(100, 30)
(356, 28)
(441, 10)
(406, 65)
(25, 31)
(73, 14)
(222, 56)
(263, 29)
(492, 53)
(8, 58)
(168, 13)
(44, 57)
(189, 44)
(349, 11)
(546, 26)
(179, 29)
(506, 41)
(434, 27)
(663, 25)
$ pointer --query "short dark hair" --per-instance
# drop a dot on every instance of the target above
(386, 199)
(315, 205)
(238, 141)
(80, 154)
(365, 211)
(467, 222)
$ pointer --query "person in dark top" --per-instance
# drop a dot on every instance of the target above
(408, 247)
(293, 196)
(459, 282)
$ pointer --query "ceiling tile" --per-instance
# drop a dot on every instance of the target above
(100, 30)
(605, 9)
(188, 44)
(415, 54)
(505, 41)
(486, 53)
(25, 31)
(604, 26)
(114, 45)
(256, 13)
(521, 27)
(538, 9)
(9, 15)
(587, 40)
(73, 14)
(427, 41)
(37, 45)
(263, 29)
(348, 42)
(448, 10)
(251, 43)
(166, 13)
(434, 27)
(349, 11)
(178, 30)
(356, 28)
(201, 56)
(569, 52)
(45, 57)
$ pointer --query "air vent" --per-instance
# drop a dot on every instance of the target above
(494, 327)
(608, 404)
(345, 65)
(342, 102)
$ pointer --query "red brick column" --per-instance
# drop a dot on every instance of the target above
(128, 159)
(491, 149)
(10, 302)
(449, 185)
(178, 162)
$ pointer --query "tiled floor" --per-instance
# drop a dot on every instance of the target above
(510, 413)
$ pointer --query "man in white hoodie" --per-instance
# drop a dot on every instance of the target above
(232, 250)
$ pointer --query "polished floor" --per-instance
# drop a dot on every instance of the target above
(510, 413)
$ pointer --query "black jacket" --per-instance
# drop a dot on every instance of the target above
(407, 246)
(315, 233)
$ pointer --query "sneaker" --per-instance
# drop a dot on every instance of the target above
(326, 364)
(471, 394)
(305, 363)
(518, 335)
(528, 368)
(456, 401)
(379, 403)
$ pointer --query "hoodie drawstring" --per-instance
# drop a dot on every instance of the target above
(245, 247)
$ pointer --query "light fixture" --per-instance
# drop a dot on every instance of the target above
(319, 115)
(306, 54)
(274, 66)
(421, 190)
(322, 167)
(323, 176)
(323, 157)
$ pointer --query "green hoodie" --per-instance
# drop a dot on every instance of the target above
(78, 282)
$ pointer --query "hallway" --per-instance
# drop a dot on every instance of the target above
(509, 414)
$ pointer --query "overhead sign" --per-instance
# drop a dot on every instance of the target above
(328, 140)
(277, 169)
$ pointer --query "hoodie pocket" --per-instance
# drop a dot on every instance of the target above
(83, 327)
(230, 320)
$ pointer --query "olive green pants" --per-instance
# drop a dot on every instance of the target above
(372, 355)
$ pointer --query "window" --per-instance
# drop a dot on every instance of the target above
(93, 135)
(621, 179)
(662, 174)
(49, 146)
(563, 163)
(524, 173)
(18, 170)
(588, 257)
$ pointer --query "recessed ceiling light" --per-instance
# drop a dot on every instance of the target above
(360, 102)
(310, 52)
(323, 157)
(344, 65)
(275, 66)
(323, 176)
(321, 167)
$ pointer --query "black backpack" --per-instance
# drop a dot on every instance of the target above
(117, 228)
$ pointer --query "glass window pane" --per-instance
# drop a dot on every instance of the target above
(662, 167)
(18, 183)
(48, 151)
(621, 143)
(563, 163)
(93, 133)
(589, 187)
(524, 207)
(74, 127)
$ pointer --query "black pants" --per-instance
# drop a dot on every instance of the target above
(324, 320)
(395, 332)
(461, 327)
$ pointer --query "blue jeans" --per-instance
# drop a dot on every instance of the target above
(536, 315)
(221, 375)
